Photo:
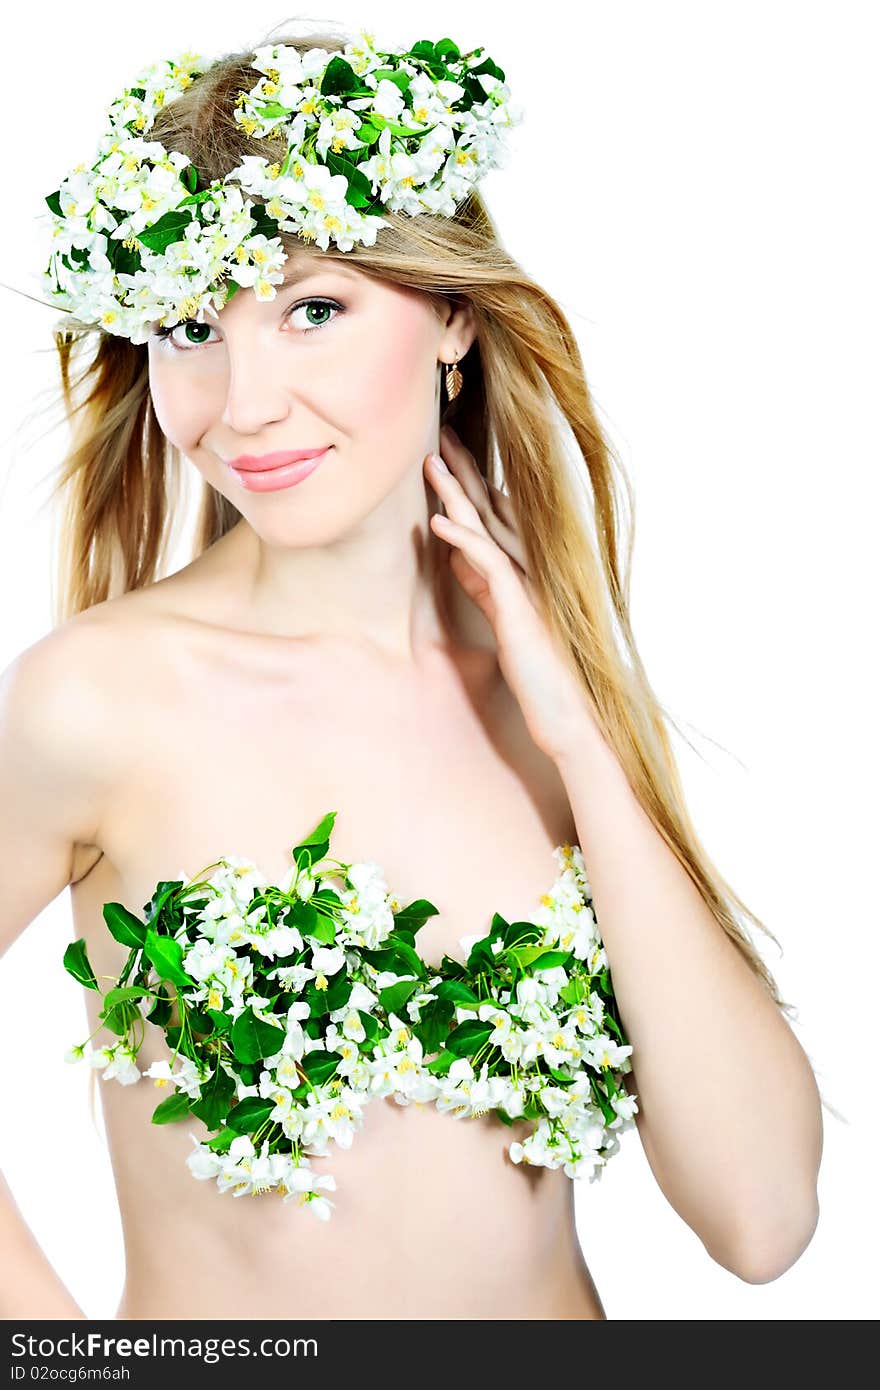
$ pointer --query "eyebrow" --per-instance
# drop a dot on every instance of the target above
(331, 265)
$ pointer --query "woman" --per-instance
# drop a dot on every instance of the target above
(448, 660)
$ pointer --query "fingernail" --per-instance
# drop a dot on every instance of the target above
(439, 464)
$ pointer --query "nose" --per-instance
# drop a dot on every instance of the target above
(256, 391)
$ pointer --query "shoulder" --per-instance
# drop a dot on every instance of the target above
(69, 692)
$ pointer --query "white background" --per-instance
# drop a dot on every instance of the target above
(696, 184)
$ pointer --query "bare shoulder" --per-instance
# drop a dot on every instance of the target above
(69, 692)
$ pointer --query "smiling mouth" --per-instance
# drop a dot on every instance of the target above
(279, 475)
(263, 463)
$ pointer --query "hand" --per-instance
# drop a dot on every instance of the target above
(489, 562)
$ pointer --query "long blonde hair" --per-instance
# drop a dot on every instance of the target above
(524, 383)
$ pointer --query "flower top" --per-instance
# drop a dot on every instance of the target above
(288, 1006)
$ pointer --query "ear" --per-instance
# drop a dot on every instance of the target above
(459, 331)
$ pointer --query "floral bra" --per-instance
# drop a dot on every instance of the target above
(288, 1006)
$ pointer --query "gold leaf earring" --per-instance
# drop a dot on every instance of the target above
(453, 379)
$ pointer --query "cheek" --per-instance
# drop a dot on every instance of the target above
(390, 386)
(176, 407)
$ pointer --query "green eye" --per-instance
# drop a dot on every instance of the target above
(201, 330)
(324, 308)
(318, 312)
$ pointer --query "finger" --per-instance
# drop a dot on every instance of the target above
(486, 557)
(467, 488)
(454, 497)
(492, 504)
(505, 518)
(503, 506)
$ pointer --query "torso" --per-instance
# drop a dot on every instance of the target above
(239, 744)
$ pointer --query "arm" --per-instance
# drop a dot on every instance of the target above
(51, 785)
(730, 1116)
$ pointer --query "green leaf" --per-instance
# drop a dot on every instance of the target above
(339, 77)
(550, 958)
(371, 1027)
(160, 1013)
(393, 997)
(166, 955)
(525, 955)
(609, 1021)
(76, 962)
(253, 1038)
(322, 930)
(54, 202)
(264, 225)
(521, 933)
(338, 992)
(433, 1026)
(320, 1065)
(271, 109)
(169, 229)
(319, 1006)
(397, 129)
(124, 260)
(457, 992)
(221, 1021)
(482, 960)
(219, 1142)
(199, 1022)
(163, 892)
(608, 1111)
(124, 926)
(561, 1076)
(232, 286)
(359, 192)
(469, 1036)
(116, 996)
(575, 991)
(415, 915)
(172, 1108)
(120, 1018)
(195, 198)
(249, 1114)
(368, 132)
(397, 955)
(489, 67)
(447, 50)
(440, 1064)
(314, 847)
(217, 1092)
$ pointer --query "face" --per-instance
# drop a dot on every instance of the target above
(337, 361)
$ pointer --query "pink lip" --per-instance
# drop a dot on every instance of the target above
(280, 470)
(260, 463)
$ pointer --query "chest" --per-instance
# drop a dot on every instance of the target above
(431, 775)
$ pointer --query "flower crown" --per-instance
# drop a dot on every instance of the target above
(137, 241)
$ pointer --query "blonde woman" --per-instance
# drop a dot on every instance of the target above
(442, 651)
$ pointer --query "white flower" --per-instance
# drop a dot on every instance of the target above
(326, 960)
(119, 1063)
(161, 1073)
(203, 1162)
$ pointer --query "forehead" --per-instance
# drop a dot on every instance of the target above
(297, 269)
(301, 265)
